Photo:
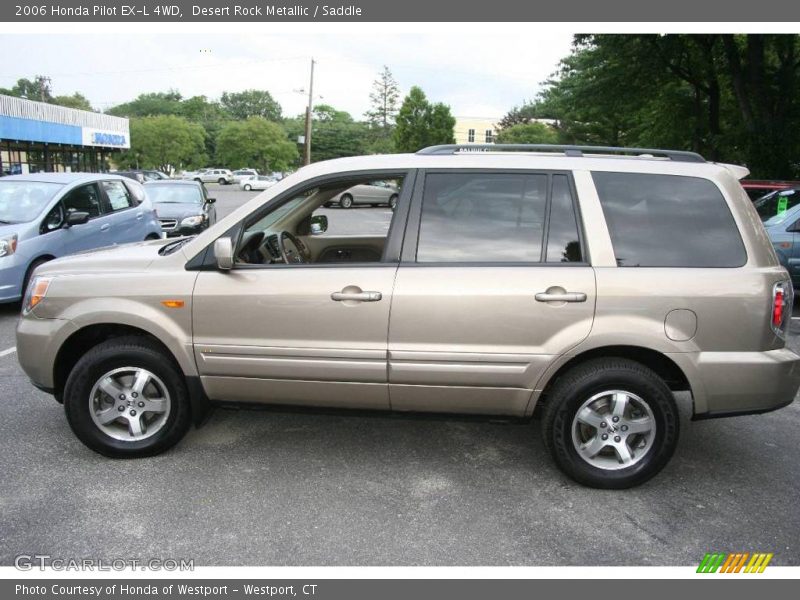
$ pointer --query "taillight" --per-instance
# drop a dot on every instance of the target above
(782, 301)
(778, 300)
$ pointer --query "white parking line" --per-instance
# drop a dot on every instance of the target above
(8, 351)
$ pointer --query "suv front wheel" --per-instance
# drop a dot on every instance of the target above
(610, 423)
(126, 398)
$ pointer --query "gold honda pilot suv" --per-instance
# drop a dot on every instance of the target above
(586, 284)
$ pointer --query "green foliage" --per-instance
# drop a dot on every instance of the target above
(255, 142)
(528, 133)
(732, 98)
(334, 133)
(421, 124)
(37, 89)
(149, 105)
(164, 142)
(251, 103)
(76, 100)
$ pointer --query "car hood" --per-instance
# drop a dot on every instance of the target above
(112, 259)
(177, 210)
(12, 228)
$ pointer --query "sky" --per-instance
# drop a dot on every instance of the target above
(481, 75)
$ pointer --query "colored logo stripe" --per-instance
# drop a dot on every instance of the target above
(734, 562)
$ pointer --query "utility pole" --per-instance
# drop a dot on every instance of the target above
(309, 108)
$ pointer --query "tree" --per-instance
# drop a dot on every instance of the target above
(251, 103)
(520, 115)
(148, 105)
(733, 98)
(528, 133)
(164, 142)
(383, 101)
(421, 124)
(334, 133)
(36, 89)
(255, 142)
(76, 100)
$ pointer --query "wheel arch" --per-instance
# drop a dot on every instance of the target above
(85, 338)
(663, 365)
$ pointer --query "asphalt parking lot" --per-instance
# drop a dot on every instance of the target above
(299, 488)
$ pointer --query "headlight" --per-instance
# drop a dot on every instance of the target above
(8, 245)
(192, 221)
(37, 290)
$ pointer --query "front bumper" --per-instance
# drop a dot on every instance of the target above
(738, 383)
(12, 272)
(38, 342)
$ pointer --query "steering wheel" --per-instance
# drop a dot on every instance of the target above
(293, 251)
(249, 250)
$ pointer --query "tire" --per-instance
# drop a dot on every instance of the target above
(594, 388)
(165, 388)
(222, 181)
(151, 236)
(393, 201)
(346, 201)
(248, 187)
(29, 273)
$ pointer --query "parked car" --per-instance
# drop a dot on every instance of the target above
(242, 174)
(373, 193)
(780, 213)
(261, 182)
(48, 215)
(183, 207)
(220, 176)
(143, 175)
(756, 188)
(585, 284)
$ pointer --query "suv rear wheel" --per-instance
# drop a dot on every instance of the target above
(126, 398)
(610, 423)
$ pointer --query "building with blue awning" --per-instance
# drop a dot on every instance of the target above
(41, 137)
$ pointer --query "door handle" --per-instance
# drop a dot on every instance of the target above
(139, 215)
(356, 296)
(105, 226)
(562, 297)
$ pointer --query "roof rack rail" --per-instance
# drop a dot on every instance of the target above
(676, 155)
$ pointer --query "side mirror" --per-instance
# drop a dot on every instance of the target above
(223, 252)
(211, 200)
(319, 224)
(77, 218)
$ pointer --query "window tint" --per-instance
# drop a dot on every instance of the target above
(668, 221)
(84, 199)
(482, 218)
(118, 196)
(563, 242)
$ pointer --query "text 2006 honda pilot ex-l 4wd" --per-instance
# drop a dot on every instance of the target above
(585, 283)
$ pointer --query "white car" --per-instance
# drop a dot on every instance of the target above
(242, 174)
(260, 182)
(220, 176)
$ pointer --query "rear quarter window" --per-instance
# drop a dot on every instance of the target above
(668, 221)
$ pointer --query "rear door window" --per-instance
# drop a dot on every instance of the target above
(119, 198)
(497, 218)
(668, 221)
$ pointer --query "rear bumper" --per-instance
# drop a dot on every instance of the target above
(739, 383)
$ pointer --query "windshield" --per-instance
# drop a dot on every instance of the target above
(772, 207)
(23, 201)
(174, 194)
